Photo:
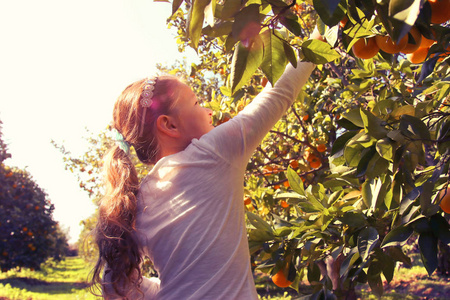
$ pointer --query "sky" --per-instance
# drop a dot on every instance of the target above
(62, 65)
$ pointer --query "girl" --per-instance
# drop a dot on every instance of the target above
(187, 215)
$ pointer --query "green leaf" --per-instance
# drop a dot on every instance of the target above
(313, 273)
(340, 142)
(414, 127)
(373, 125)
(195, 21)
(403, 14)
(387, 265)
(397, 236)
(259, 235)
(409, 199)
(370, 190)
(319, 52)
(440, 228)
(292, 24)
(290, 54)
(295, 181)
(364, 161)
(352, 154)
(376, 285)
(330, 11)
(218, 30)
(258, 222)
(230, 8)
(385, 149)
(428, 251)
(245, 63)
(175, 5)
(367, 241)
(274, 59)
(246, 25)
(354, 116)
(354, 219)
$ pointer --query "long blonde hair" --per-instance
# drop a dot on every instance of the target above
(115, 233)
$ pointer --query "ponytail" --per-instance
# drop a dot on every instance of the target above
(115, 234)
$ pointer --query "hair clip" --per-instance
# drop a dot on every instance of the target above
(146, 98)
(147, 92)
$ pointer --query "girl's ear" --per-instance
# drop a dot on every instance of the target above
(167, 125)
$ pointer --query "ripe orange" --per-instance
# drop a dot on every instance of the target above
(417, 56)
(286, 184)
(343, 22)
(305, 117)
(280, 279)
(427, 42)
(276, 187)
(284, 204)
(25, 229)
(247, 201)
(294, 164)
(387, 45)
(444, 195)
(264, 81)
(322, 148)
(365, 48)
(315, 162)
(414, 41)
(440, 11)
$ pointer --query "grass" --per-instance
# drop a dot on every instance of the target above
(64, 280)
(68, 280)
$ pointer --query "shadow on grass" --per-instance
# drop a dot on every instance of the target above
(42, 286)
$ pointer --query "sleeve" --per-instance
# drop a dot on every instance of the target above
(237, 139)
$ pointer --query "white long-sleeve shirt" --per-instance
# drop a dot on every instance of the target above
(191, 220)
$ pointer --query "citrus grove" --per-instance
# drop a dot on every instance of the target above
(28, 233)
(357, 167)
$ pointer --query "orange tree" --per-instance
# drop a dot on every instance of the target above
(28, 233)
(342, 214)
(354, 169)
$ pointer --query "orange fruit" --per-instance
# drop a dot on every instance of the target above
(322, 148)
(427, 42)
(305, 117)
(294, 164)
(276, 187)
(25, 229)
(417, 56)
(247, 201)
(284, 204)
(343, 22)
(414, 41)
(365, 48)
(286, 184)
(387, 45)
(315, 162)
(264, 81)
(440, 11)
(280, 280)
(444, 196)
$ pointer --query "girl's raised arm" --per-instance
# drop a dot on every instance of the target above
(238, 138)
